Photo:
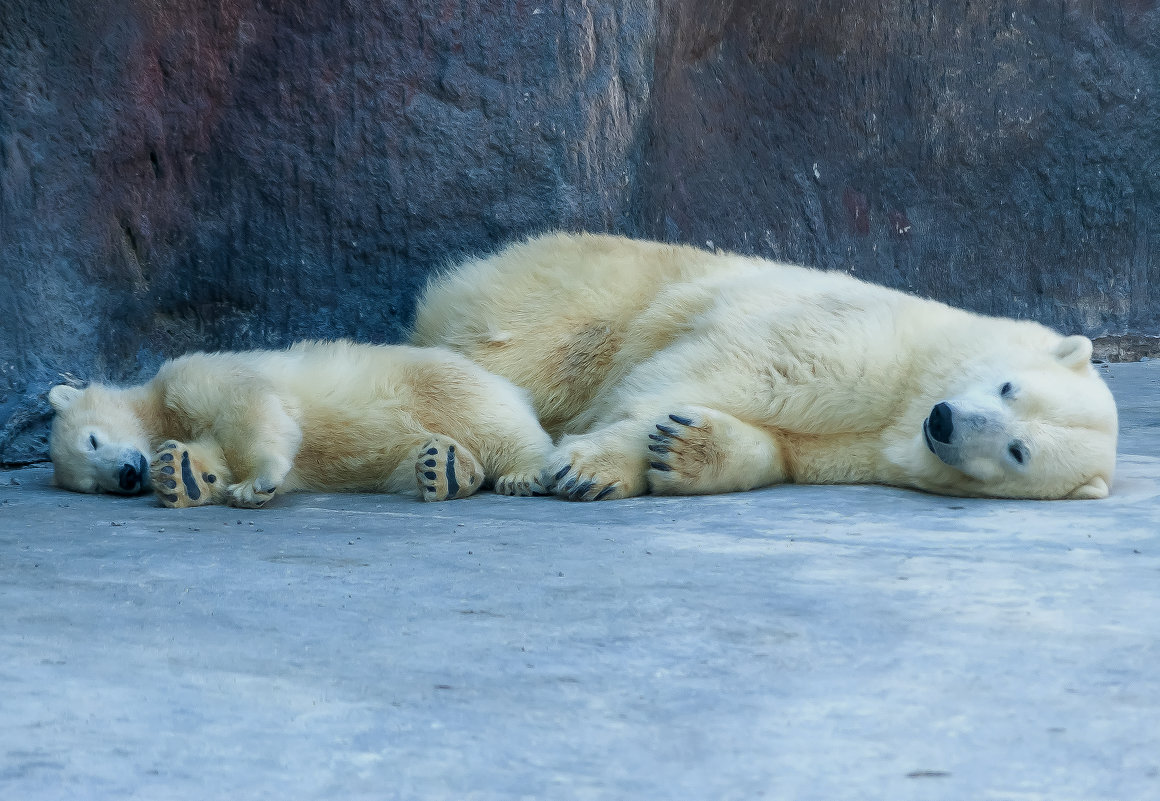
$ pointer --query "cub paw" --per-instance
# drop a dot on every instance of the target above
(579, 474)
(252, 494)
(681, 452)
(521, 484)
(446, 470)
(178, 480)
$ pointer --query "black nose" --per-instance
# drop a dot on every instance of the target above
(130, 476)
(940, 424)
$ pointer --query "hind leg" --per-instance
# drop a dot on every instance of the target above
(445, 470)
(489, 419)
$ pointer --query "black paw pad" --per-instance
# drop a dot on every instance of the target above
(209, 478)
(192, 490)
(170, 498)
(452, 481)
(167, 457)
(167, 470)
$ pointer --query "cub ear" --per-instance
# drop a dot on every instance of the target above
(1074, 351)
(63, 396)
(1092, 491)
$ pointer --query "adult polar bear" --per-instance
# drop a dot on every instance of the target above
(330, 416)
(682, 371)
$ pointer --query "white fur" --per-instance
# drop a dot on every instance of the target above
(785, 374)
(318, 416)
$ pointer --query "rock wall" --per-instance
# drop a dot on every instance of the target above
(175, 176)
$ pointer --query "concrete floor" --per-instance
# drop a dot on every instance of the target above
(796, 643)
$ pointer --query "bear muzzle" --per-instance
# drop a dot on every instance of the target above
(133, 477)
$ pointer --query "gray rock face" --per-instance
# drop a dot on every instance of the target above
(174, 178)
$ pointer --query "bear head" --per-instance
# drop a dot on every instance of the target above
(1025, 423)
(97, 442)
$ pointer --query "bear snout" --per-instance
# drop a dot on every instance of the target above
(131, 476)
(940, 425)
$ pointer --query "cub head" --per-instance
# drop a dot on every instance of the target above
(1039, 425)
(97, 443)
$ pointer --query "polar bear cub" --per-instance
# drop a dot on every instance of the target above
(672, 369)
(327, 416)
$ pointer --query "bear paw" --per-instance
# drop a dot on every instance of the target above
(681, 450)
(578, 475)
(252, 494)
(521, 484)
(177, 478)
(446, 470)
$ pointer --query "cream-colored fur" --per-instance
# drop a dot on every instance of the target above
(674, 369)
(325, 416)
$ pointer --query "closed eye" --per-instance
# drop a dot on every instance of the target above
(1017, 452)
(93, 441)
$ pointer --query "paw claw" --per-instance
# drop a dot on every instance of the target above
(582, 489)
(685, 421)
(521, 484)
(604, 492)
(251, 494)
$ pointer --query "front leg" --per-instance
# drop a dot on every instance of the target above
(699, 451)
(260, 440)
(189, 474)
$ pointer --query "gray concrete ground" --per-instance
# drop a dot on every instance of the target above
(793, 643)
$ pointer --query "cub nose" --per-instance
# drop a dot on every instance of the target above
(940, 424)
(132, 474)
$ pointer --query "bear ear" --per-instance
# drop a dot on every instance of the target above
(1074, 351)
(63, 396)
(1092, 491)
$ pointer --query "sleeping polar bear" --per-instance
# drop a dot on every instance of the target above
(672, 369)
(326, 416)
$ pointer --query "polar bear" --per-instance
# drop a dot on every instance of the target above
(327, 416)
(680, 371)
